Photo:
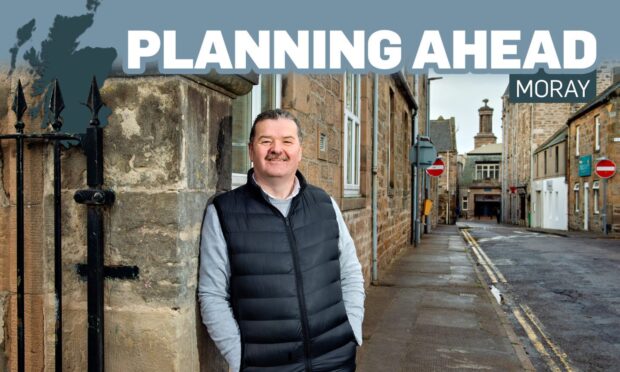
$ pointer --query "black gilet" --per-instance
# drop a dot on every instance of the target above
(285, 280)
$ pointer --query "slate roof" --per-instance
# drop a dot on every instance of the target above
(606, 95)
(559, 136)
(442, 134)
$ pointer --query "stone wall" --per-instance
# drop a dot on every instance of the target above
(534, 122)
(165, 154)
(609, 116)
(163, 159)
(317, 100)
(422, 119)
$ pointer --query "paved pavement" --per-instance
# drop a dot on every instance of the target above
(430, 312)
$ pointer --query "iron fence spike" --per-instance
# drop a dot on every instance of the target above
(94, 102)
(19, 106)
(57, 104)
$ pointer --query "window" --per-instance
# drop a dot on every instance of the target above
(597, 133)
(595, 196)
(545, 163)
(576, 190)
(264, 96)
(557, 159)
(351, 134)
(464, 204)
(577, 141)
(487, 171)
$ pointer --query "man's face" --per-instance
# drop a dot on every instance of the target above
(275, 149)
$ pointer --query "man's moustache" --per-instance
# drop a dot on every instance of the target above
(276, 157)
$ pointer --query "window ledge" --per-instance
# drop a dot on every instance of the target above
(351, 203)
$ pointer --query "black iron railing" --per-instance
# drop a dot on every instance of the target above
(95, 198)
(56, 107)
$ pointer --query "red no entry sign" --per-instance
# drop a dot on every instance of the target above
(605, 168)
(436, 169)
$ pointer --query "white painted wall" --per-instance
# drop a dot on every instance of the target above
(552, 213)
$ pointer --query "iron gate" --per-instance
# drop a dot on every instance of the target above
(94, 197)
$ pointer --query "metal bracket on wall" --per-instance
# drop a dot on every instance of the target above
(94, 197)
(111, 272)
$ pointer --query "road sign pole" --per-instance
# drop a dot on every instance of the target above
(417, 192)
(604, 210)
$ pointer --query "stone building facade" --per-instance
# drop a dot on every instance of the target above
(171, 143)
(479, 180)
(443, 133)
(593, 134)
(318, 101)
(479, 184)
(161, 158)
(525, 127)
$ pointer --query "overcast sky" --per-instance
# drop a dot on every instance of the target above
(461, 96)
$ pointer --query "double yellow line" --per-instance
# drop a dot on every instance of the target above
(538, 345)
(494, 274)
(524, 315)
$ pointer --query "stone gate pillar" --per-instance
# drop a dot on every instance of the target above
(166, 151)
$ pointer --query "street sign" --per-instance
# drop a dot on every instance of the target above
(436, 169)
(585, 166)
(426, 151)
(605, 168)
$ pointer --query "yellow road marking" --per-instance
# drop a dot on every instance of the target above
(471, 241)
(499, 274)
(556, 349)
(492, 271)
(486, 258)
(535, 341)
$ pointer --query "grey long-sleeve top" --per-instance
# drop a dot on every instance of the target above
(213, 287)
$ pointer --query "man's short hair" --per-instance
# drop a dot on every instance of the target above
(274, 115)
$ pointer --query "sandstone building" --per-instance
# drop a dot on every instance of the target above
(525, 127)
(170, 144)
(443, 134)
(479, 182)
(594, 134)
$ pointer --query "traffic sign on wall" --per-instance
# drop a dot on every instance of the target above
(605, 168)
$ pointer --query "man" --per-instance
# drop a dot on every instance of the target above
(281, 287)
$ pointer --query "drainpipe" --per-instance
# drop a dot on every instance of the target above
(375, 140)
(513, 208)
(528, 221)
(427, 132)
(448, 186)
(415, 214)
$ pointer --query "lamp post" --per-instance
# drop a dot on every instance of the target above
(427, 182)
